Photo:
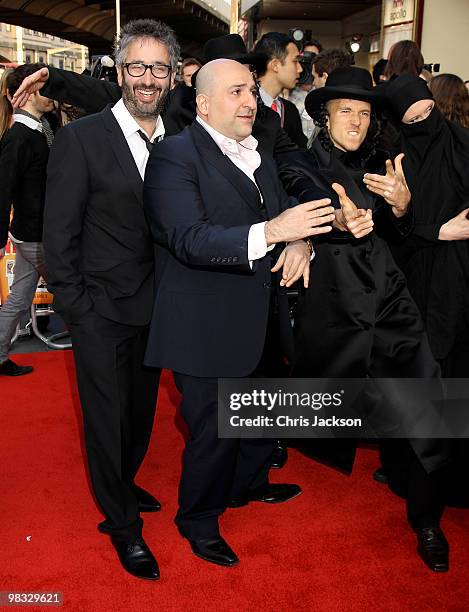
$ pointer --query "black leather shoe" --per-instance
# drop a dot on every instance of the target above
(433, 548)
(10, 368)
(214, 550)
(146, 501)
(272, 494)
(380, 476)
(137, 558)
(279, 456)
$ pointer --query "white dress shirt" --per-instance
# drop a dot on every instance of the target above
(245, 157)
(130, 129)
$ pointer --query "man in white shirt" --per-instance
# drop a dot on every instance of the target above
(24, 153)
(100, 258)
(217, 212)
(281, 72)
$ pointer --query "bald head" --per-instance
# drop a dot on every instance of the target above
(227, 97)
(213, 71)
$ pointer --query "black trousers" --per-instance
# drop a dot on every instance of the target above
(118, 398)
(216, 470)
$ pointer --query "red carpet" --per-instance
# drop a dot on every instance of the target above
(343, 545)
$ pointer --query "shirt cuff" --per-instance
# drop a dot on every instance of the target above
(257, 244)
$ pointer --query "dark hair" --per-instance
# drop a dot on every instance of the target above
(404, 57)
(190, 61)
(11, 80)
(313, 42)
(274, 46)
(369, 145)
(146, 28)
(330, 59)
(378, 70)
(451, 97)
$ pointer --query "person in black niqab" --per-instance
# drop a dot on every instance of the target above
(435, 255)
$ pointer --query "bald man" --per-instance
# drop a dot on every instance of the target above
(215, 207)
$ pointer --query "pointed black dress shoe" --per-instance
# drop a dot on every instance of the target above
(214, 550)
(10, 368)
(137, 558)
(272, 494)
(433, 548)
(146, 501)
(279, 456)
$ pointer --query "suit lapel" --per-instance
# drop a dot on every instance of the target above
(264, 180)
(122, 153)
(210, 151)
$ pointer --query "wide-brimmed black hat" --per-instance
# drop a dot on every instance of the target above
(351, 83)
(231, 46)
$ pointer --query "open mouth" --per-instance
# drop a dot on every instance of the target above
(146, 95)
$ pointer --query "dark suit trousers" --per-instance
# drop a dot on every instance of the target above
(118, 399)
(215, 469)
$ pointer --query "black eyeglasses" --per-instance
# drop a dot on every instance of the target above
(138, 69)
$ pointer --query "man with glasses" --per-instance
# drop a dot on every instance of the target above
(99, 254)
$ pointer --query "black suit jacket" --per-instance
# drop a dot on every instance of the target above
(292, 124)
(211, 308)
(23, 162)
(98, 248)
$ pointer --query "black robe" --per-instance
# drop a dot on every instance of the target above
(357, 318)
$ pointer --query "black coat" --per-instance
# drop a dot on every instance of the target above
(211, 309)
(97, 242)
(292, 124)
(357, 318)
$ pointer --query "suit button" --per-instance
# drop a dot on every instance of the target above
(337, 252)
(267, 285)
(369, 289)
(333, 290)
(235, 260)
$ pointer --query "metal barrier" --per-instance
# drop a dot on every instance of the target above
(51, 341)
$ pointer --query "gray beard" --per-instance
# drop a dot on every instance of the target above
(148, 111)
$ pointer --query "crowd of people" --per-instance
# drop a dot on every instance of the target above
(172, 221)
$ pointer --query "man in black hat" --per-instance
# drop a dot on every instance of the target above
(358, 318)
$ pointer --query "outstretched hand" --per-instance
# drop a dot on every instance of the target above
(30, 85)
(357, 221)
(392, 186)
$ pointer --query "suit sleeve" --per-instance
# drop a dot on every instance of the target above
(15, 157)
(86, 92)
(66, 198)
(178, 218)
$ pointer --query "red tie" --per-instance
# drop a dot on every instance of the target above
(274, 106)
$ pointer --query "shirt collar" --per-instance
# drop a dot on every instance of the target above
(28, 120)
(267, 98)
(128, 124)
(227, 145)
